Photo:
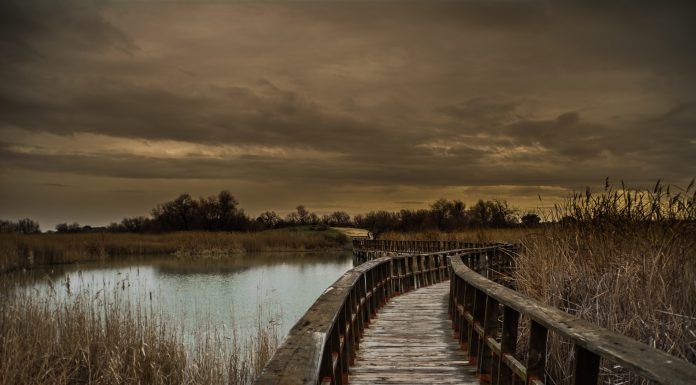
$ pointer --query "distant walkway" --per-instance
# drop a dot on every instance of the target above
(353, 232)
(410, 341)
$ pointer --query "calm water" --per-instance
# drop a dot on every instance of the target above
(227, 292)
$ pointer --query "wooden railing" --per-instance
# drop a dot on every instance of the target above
(366, 250)
(486, 316)
(322, 344)
(477, 305)
(422, 246)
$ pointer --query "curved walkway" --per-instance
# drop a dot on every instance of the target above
(410, 341)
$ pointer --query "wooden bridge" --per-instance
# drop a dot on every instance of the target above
(435, 312)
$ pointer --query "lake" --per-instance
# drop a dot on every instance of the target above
(235, 293)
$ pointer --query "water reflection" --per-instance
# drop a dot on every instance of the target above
(225, 291)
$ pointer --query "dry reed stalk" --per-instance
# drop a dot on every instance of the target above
(19, 251)
(626, 264)
(92, 339)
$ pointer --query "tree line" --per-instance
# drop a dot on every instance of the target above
(221, 212)
(21, 226)
(447, 215)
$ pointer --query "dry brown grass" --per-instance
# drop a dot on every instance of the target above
(639, 281)
(624, 260)
(28, 250)
(97, 340)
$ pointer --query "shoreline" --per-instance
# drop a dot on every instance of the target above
(42, 250)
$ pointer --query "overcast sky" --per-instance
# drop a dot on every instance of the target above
(109, 107)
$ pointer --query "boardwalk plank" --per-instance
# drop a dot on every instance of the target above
(410, 341)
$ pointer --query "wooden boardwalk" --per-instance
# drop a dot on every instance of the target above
(410, 341)
(362, 330)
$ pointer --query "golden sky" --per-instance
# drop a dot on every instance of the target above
(109, 107)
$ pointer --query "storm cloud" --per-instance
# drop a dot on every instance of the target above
(355, 105)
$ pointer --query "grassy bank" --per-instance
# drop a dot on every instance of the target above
(28, 250)
(102, 340)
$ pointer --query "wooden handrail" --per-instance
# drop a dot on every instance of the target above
(476, 303)
(416, 246)
(367, 250)
(322, 344)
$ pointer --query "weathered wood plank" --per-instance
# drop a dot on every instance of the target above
(410, 341)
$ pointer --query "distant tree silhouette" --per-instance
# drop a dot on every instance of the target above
(531, 220)
(177, 215)
(136, 224)
(269, 219)
(378, 222)
(221, 212)
(22, 226)
(68, 228)
(302, 215)
(337, 218)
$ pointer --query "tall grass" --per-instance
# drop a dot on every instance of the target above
(625, 260)
(28, 250)
(99, 339)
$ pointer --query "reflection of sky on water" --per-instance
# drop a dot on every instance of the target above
(228, 290)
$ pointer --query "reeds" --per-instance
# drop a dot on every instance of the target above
(101, 339)
(19, 251)
(623, 260)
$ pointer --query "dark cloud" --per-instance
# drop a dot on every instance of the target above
(478, 110)
(129, 191)
(351, 95)
(35, 30)
(565, 135)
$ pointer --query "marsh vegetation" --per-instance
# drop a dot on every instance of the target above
(622, 259)
(625, 260)
(100, 339)
(18, 251)
(156, 319)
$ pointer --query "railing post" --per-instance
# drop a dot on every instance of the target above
(391, 280)
(343, 344)
(508, 345)
(364, 302)
(427, 271)
(417, 272)
(536, 358)
(409, 278)
(452, 303)
(372, 285)
(490, 327)
(478, 311)
(586, 368)
(353, 334)
(467, 302)
(400, 270)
